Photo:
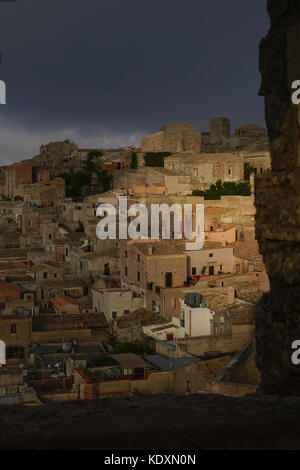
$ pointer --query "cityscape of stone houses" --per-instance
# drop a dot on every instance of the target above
(84, 318)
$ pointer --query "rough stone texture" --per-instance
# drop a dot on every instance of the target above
(173, 138)
(278, 203)
(156, 422)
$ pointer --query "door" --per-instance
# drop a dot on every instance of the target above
(211, 270)
(169, 280)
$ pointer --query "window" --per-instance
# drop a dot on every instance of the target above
(54, 275)
(138, 276)
(114, 315)
(216, 330)
(67, 251)
(126, 254)
(221, 267)
(169, 279)
(45, 275)
(107, 269)
(211, 255)
(13, 328)
(237, 268)
(126, 312)
(194, 271)
(49, 236)
(138, 258)
(15, 352)
(126, 271)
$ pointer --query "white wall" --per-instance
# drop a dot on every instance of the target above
(197, 321)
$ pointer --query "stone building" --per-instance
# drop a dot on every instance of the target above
(173, 138)
(15, 175)
(154, 265)
(211, 260)
(116, 303)
(60, 148)
(219, 128)
(206, 169)
(260, 161)
(52, 193)
(15, 331)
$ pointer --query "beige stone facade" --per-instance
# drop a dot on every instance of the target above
(173, 138)
(206, 169)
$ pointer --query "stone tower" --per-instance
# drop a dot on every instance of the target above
(219, 128)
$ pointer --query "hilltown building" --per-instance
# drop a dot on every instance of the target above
(173, 138)
(66, 292)
(206, 169)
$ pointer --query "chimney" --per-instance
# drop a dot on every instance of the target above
(150, 250)
(231, 295)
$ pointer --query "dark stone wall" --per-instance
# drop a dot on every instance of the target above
(278, 203)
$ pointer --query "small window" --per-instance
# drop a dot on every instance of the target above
(138, 258)
(13, 328)
(126, 254)
(126, 312)
(138, 276)
(194, 271)
(45, 275)
(211, 255)
(114, 315)
(126, 271)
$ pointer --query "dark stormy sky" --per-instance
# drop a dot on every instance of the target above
(106, 72)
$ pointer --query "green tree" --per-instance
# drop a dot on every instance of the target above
(134, 161)
(248, 169)
(156, 159)
(228, 188)
(90, 164)
(105, 179)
